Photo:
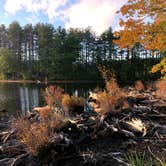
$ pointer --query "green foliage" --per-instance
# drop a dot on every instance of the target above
(7, 63)
(139, 160)
(143, 159)
(42, 52)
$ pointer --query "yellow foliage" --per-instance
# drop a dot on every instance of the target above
(136, 29)
(160, 67)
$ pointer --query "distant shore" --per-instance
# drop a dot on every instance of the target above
(56, 81)
(17, 81)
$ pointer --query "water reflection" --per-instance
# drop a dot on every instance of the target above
(29, 98)
(16, 97)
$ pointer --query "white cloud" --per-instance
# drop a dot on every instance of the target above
(98, 14)
(51, 8)
(11, 7)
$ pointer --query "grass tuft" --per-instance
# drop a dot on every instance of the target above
(35, 135)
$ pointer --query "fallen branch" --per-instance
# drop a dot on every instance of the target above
(18, 159)
(8, 135)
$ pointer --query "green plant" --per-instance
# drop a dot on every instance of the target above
(137, 159)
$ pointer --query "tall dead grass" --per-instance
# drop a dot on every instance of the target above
(112, 98)
(161, 88)
(35, 135)
(53, 96)
(59, 101)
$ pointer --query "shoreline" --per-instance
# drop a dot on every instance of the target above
(56, 81)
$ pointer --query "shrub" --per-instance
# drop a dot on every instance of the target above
(161, 85)
(32, 135)
(58, 101)
(53, 96)
(111, 99)
(73, 104)
(35, 135)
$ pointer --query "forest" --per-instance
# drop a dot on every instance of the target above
(43, 52)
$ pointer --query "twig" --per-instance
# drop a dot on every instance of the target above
(18, 159)
(120, 161)
(8, 135)
(155, 157)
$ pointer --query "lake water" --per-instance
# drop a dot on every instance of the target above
(20, 98)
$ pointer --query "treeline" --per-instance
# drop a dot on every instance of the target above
(42, 52)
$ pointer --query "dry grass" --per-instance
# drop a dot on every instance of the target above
(32, 135)
(161, 89)
(73, 103)
(112, 99)
(53, 96)
(139, 86)
(35, 135)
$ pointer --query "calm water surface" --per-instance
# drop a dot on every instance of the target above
(20, 98)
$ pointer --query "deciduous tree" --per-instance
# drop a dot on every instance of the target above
(143, 21)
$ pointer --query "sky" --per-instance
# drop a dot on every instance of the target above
(97, 14)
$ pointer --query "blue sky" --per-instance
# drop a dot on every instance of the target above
(98, 14)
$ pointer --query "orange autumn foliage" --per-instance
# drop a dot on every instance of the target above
(143, 22)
